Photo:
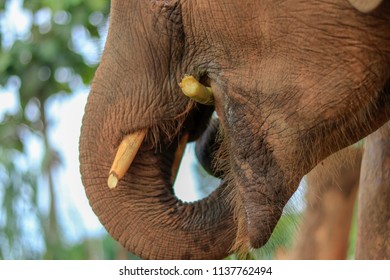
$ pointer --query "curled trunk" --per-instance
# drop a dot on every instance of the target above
(142, 213)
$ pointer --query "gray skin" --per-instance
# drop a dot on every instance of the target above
(293, 82)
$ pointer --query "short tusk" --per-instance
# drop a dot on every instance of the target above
(196, 91)
(365, 6)
(125, 155)
(178, 156)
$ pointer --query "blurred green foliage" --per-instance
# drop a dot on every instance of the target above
(55, 53)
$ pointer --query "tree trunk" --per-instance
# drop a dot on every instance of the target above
(332, 189)
(373, 233)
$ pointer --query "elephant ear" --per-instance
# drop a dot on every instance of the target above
(365, 6)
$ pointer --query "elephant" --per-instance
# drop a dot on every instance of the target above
(292, 82)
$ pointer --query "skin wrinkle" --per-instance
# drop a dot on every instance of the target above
(325, 105)
(259, 121)
(349, 136)
(154, 86)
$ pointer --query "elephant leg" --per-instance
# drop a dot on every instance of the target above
(373, 233)
(331, 195)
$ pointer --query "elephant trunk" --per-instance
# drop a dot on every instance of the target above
(142, 213)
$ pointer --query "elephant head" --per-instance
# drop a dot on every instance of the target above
(292, 82)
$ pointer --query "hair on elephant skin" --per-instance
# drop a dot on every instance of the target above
(292, 83)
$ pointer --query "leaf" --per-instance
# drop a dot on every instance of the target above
(5, 61)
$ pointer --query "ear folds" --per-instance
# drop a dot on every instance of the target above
(365, 6)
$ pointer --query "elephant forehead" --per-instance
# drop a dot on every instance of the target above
(269, 24)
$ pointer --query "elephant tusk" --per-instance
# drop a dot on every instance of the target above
(196, 91)
(178, 156)
(365, 6)
(125, 155)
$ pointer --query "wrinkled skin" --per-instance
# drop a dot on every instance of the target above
(293, 82)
